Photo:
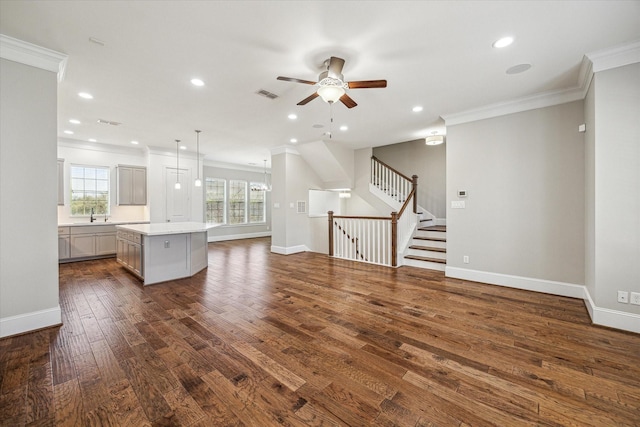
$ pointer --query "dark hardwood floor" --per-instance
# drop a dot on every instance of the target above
(261, 339)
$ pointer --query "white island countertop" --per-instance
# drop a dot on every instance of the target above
(164, 228)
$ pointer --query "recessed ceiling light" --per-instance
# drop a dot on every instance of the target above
(68, 132)
(197, 82)
(135, 142)
(85, 95)
(74, 121)
(292, 116)
(417, 109)
(93, 140)
(517, 69)
(183, 147)
(344, 127)
(503, 42)
(293, 140)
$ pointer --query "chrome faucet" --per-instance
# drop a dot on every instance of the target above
(91, 218)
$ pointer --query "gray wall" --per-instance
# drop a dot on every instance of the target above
(613, 230)
(28, 198)
(524, 214)
(429, 163)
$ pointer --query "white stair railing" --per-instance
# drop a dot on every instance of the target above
(377, 240)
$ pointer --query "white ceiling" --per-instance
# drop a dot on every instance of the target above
(436, 54)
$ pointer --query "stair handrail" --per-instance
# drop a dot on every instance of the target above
(392, 182)
(375, 159)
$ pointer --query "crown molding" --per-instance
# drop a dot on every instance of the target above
(284, 150)
(35, 56)
(619, 56)
(602, 60)
(541, 100)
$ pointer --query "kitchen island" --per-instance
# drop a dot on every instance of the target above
(165, 251)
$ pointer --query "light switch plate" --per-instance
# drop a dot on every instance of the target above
(457, 204)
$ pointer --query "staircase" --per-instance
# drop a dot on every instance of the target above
(428, 248)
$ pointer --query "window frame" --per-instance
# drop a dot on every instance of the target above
(72, 189)
(224, 200)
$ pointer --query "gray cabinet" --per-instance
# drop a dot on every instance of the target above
(131, 185)
(60, 182)
(87, 241)
(129, 252)
(64, 243)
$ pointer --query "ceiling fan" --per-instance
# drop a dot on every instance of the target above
(332, 86)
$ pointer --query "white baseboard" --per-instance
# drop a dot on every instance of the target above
(599, 316)
(611, 318)
(289, 250)
(23, 323)
(518, 282)
(238, 236)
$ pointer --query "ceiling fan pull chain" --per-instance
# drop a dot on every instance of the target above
(331, 122)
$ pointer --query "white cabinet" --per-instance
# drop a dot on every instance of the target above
(131, 185)
(60, 182)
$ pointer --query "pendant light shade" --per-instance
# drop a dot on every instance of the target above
(198, 182)
(177, 185)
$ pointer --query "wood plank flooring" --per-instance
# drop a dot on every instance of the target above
(260, 339)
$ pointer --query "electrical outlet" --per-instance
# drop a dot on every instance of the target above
(623, 297)
(465, 259)
(635, 298)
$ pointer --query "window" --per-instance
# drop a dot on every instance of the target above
(256, 203)
(237, 202)
(215, 197)
(89, 190)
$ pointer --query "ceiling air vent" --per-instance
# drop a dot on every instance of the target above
(267, 94)
(107, 122)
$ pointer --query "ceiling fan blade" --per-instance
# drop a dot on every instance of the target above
(346, 100)
(291, 79)
(335, 67)
(308, 99)
(364, 84)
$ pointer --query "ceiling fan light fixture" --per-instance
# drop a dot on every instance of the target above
(331, 93)
(434, 140)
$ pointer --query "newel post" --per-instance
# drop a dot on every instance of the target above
(394, 239)
(414, 187)
(330, 233)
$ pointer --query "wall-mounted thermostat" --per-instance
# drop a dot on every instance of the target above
(462, 193)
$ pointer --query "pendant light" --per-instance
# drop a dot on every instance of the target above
(198, 181)
(177, 186)
(266, 186)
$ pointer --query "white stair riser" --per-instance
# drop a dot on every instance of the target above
(428, 254)
(438, 234)
(424, 264)
(432, 243)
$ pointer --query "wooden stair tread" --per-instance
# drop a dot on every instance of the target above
(433, 239)
(427, 248)
(424, 258)
(441, 228)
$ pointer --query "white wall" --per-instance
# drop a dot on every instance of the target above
(230, 232)
(614, 231)
(428, 162)
(158, 162)
(94, 154)
(524, 214)
(28, 199)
